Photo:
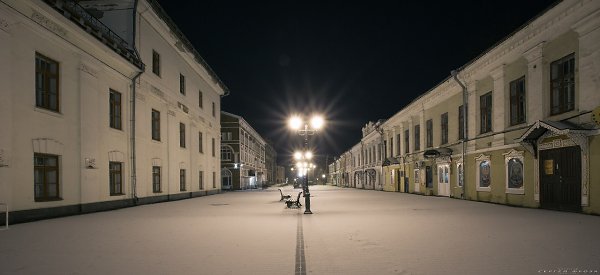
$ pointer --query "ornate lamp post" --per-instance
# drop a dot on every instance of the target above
(302, 128)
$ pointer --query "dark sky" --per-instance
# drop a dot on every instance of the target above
(352, 61)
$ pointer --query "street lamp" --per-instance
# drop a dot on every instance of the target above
(303, 128)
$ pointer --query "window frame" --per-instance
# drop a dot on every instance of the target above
(113, 175)
(182, 184)
(181, 135)
(115, 110)
(155, 125)
(461, 122)
(156, 179)
(417, 137)
(213, 147)
(485, 113)
(226, 153)
(200, 143)
(200, 180)
(444, 128)
(182, 84)
(517, 97)
(566, 102)
(44, 172)
(516, 155)
(429, 133)
(200, 99)
(479, 160)
(406, 141)
(155, 62)
(43, 95)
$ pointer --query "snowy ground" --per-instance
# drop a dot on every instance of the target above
(351, 232)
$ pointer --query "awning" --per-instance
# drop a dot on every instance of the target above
(438, 152)
(530, 138)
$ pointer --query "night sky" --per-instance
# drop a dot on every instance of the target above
(352, 61)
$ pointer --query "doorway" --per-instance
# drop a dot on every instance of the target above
(560, 179)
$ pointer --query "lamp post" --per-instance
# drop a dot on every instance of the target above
(303, 129)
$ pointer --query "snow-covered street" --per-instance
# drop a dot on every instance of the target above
(351, 232)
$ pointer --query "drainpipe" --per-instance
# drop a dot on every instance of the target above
(454, 74)
(132, 139)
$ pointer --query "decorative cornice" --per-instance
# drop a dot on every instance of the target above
(49, 24)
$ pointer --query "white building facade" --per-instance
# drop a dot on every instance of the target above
(88, 127)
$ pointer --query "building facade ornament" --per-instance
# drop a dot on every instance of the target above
(48, 24)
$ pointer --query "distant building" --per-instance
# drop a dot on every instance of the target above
(92, 121)
(270, 164)
(532, 123)
(280, 178)
(242, 154)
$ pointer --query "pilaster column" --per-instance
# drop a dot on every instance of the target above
(498, 105)
(535, 98)
(589, 61)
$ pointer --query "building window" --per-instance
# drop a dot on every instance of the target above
(45, 174)
(461, 122)
(429, 133)
(226, 153)
(214, 179)
(181, 135)
(201, 180)
(115, 109)
(181, 179)
(444, 127)
(460, 178)
(484, 173)
(181, 84)
(485, 112)
(155, 63)
(226, 136)
(214, 110)
(391, 147)
(155, 125)
(562, 85)
(213, 147)
(200, 99)
(115, 178)
(514, 162)
(46, 83)
(417, 146)
(226, 179)
(406, 140)
(417, 176)
(156, 179)
(517, 101)
(200, 143)
(428, 177)
(397, 144)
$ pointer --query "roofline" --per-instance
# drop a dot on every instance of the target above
(245, 121)
(171, 24)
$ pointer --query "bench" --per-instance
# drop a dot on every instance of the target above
(284, 197)
(294, 203)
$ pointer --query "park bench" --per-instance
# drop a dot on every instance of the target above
(284, 197)
(294, 203)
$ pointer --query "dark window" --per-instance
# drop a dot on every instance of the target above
(417, 146)
(428, 177)
(181, 179)
(115, 178)
(461, 122)
(391, 147)
(115, 109)
(406, 140)
(156, 179)
(200, 100)
(181, 135)
(200, 143)
(45, 174)
(444, 127)
(214, 180)
(562, 85)
(429, 130)
(155, 125)
(485, 112)
(201, 180)
(46, 83)
(181, 84)
(397, 144)
(214, 110)
(213, 147)
(517, 101)
(155, 63)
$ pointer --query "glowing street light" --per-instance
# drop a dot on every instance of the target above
(301, 126)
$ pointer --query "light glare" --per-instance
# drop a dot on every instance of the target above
(295, 122)
(317, 122)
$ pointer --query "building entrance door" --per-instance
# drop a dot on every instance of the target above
(560, 179)
(444, 180)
